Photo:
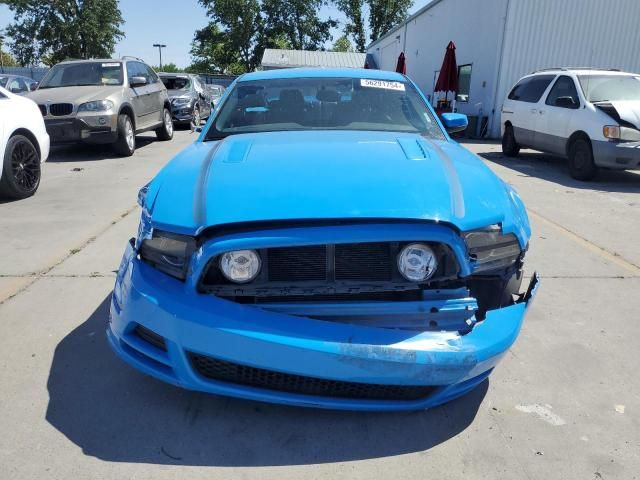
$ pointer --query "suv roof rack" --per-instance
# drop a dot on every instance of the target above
(564, 69)
(131, 57)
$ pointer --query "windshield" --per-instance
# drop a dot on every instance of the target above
(85, 73)
(176, 83)
(324, 104)
(607, 88)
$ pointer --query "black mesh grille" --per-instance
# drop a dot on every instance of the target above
(297, 263)
(363, 261)
(216, 369)
(43, 110)
(151, 337)
(59, 109)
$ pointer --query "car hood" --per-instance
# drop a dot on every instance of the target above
(628, 110)
(179, 93)
(330, 175)
(75, 95)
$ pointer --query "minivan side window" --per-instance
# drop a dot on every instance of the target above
(530, 89)
(564, 87)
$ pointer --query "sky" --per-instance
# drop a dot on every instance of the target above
(169, 22)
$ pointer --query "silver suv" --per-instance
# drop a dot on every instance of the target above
(103, 101)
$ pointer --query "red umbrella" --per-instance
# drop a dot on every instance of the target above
(401, 66)
(448, 78)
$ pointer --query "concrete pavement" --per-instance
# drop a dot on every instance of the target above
(563, 404)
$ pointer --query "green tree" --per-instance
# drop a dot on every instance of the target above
(168, 68)
(6, 60)
(298, 22)
(382, 15)
(230, 43)
(354, 27)
(59, 29)
(342, 45)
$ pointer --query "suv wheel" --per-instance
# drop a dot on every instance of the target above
(581, 165)
(165, 132)
(509, 145)
(21, 168)
(126, 143)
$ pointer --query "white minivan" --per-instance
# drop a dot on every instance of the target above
(590, 116)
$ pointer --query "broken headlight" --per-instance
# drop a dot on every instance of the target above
(490, 249)
(168, 252)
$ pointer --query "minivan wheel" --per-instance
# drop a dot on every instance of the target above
(509, 145)
(21, 168)
(581, 164)
(165, 132)
(125, 145)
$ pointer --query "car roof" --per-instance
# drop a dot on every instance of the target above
(322, 73)
(580, 71)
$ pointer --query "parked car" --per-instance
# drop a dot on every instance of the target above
(340, 253)
(216, 92)
(24, 145)
(103, 102)
(17, 84)
(190, 100)
(590, 116)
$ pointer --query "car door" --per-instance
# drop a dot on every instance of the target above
(155, 98)
(138, 99)
(522, 109)
(555, 116)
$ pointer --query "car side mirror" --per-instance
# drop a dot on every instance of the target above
(454, 122)
(566, 102)
(34, 85)
(137, 82)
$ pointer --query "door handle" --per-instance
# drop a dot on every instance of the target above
(533, 110)
(541, 112)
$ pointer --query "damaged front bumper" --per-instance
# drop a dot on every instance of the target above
(204, 343)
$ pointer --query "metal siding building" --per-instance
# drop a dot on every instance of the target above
(503, 40)
(275, 58)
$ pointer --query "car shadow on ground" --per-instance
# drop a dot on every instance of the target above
(87, 153)
(554, 169)
(114, 413)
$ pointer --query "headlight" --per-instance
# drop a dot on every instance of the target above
(417, 262)
(96, 106)
(625, 134)
(168, 252)
(240, 266)
(180, 101)
(489, 249)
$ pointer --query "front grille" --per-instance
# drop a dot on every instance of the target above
(43, 110)
(364, 261)
(216, 369)
(151, 337)
(297, 264)
(60, 109)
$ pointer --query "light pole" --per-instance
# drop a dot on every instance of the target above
(160, 47)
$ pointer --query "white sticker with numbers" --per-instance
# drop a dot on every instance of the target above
(367, 82)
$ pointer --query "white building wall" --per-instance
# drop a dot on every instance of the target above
(577, 33)
(476, 29)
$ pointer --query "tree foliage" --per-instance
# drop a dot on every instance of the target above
(342, 45)
(382, 15)
(6, 60)
(57, 29)
(168, 68)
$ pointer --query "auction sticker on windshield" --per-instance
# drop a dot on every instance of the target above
(367, 82)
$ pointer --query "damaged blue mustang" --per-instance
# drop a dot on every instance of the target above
(324, 243)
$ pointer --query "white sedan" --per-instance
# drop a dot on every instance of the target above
(24, 144)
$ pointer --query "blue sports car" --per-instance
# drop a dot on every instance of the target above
(324, 243)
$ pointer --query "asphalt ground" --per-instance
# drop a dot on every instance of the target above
(563, 404)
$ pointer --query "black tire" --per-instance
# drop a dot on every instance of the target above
(581, 164)
(21, 168)
(125, 145)
(509, 145)
(165, 132)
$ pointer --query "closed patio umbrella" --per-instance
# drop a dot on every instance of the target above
(401, 66)
(448, 77)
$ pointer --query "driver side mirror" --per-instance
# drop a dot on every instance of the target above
(566, 102)
(454, 122)
(137, 82)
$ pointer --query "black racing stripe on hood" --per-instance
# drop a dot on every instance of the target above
(200, 193)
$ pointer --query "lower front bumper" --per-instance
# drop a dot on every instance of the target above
(191, 323)
(93, 130)
(617, 155)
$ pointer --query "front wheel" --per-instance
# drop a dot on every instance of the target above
(509, 145)
(125, 145)
(581, 164)
(21, 168)
(165, 132)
